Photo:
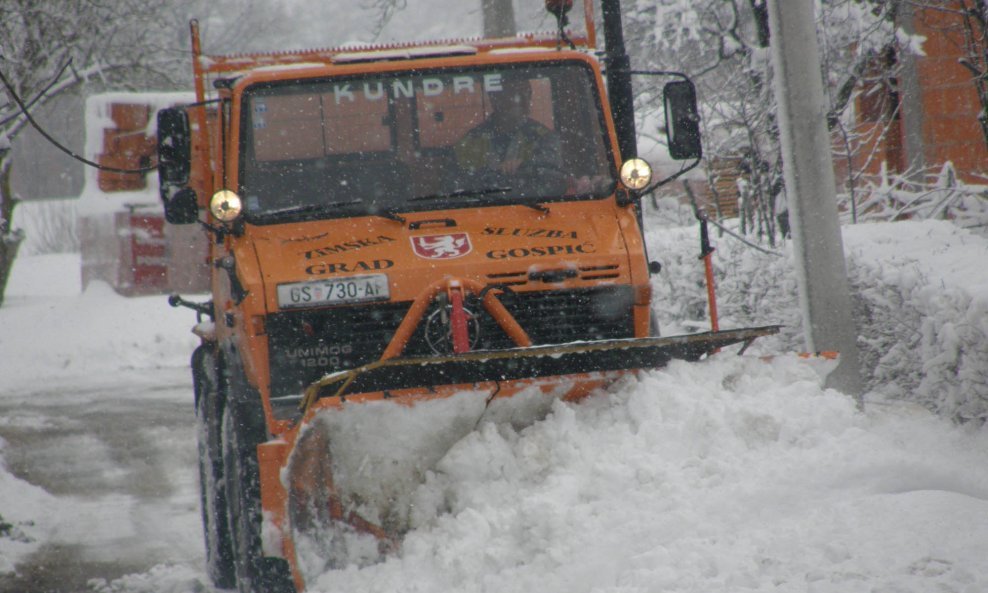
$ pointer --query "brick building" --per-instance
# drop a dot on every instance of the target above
(929, 114)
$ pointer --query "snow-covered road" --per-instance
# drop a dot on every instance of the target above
(118, 456)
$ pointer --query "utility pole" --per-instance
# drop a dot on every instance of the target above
(499, 18)
(825, 296)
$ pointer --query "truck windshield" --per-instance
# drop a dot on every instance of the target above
(409, 141)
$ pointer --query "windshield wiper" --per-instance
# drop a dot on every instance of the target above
(476, 193)
(307, 208)
(462, 192)
(391, 214)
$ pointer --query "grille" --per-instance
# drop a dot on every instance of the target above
(557, 317)
(523, 277)
(305, 345)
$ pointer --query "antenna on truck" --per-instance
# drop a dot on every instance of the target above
(560, 9)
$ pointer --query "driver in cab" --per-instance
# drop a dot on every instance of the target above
(510, 149)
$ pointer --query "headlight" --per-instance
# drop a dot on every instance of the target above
(226, 205)
(636, 174)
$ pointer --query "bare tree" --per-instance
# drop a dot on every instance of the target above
(723, 45)
(49, 48)
(52, 47)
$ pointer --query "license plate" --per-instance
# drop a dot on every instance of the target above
(353, 289)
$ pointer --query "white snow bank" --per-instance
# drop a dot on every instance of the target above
(52, 331)
(27, 516)
(924, 313)
(733, 474)
(909, 252)
(921, 304)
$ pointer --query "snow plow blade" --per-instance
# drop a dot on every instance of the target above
(370, 437)
(528, 363)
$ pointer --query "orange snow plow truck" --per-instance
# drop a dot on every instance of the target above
(406, 241)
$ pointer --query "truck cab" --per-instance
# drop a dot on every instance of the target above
(347, 189)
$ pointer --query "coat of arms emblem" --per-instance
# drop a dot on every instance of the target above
(442, 246)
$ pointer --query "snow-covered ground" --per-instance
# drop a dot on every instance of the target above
(733, 474)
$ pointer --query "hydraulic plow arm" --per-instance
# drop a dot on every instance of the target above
(454, 289)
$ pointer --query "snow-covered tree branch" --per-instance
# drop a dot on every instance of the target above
(49, 48)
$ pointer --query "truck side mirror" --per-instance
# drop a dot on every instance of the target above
(175, 165)
(182, 207)
(682, 120)
(174, 146)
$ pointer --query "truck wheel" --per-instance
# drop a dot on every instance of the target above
(254, 573)
(219, 554)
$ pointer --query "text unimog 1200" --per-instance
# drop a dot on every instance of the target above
(376, 296)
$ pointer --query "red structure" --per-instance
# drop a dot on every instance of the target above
(123, 235)
(129, 144)
(144, 249)
(928, 115)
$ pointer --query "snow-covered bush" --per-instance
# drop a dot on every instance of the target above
(50, 226)
(896, 197)
(755, 286)
(923, 342)
(920, 340)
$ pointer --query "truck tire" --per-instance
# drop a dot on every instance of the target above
(219, 554)
(242, 430)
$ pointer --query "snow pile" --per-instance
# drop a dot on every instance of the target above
(925, 318)
(52, 331)
(732, 474)
(921, 304)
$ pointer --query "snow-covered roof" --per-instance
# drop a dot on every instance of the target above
(98, 121)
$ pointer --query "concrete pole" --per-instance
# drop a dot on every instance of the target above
(499, 18)
(825, 296)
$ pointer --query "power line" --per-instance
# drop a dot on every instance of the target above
(57, 144)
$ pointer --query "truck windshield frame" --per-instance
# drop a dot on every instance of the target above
(406, 141)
